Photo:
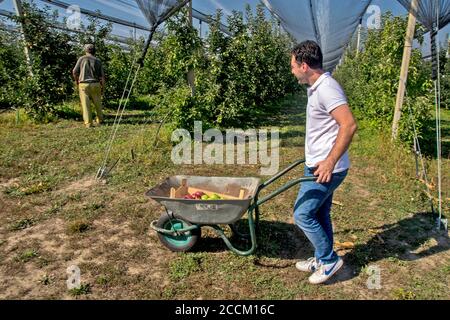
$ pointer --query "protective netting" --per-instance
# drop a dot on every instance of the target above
(434, 15)
(156, 11)
(427, 10)
(330, 23)
(208, 19)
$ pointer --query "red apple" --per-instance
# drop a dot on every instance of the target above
(189, 197)
(198, 195)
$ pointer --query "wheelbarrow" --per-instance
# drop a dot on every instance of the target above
(179, 227)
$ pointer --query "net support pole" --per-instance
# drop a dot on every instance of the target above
(19, 12)
(358, 41)
(191, 74)
(405, 66)
(146, 47)
(436, 75)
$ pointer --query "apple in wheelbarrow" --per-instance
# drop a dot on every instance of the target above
(198, 195)
(189, 197)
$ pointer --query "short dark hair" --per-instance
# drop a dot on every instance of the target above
(89, 47)
(309, 52)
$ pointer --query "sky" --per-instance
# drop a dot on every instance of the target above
(128, 10)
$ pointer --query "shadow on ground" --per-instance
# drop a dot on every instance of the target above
(410, 239)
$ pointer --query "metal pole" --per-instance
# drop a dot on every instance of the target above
(191, 75)
(447, 55)
(437, 82)
(358, 44)
(19, 12)
(405, 65)
(190, 12)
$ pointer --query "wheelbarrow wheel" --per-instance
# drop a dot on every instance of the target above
(178, 243)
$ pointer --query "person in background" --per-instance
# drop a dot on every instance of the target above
(90, 78)
(330, 127)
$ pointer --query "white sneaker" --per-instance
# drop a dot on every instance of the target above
(325, 271)
(309, 265)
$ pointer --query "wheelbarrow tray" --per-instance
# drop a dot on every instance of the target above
(206, 212)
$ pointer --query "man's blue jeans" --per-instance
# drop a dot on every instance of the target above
(312, 214)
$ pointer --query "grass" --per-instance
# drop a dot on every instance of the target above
(84, 289)
(55, 215)
(402, 294)
(46, 280)
(79, 226)
(27, 255)
(22, 224)
(184, 266)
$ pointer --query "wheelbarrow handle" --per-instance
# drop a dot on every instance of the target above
(287, 186)
(281, 173)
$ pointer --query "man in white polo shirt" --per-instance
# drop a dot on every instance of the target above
(330, 127)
